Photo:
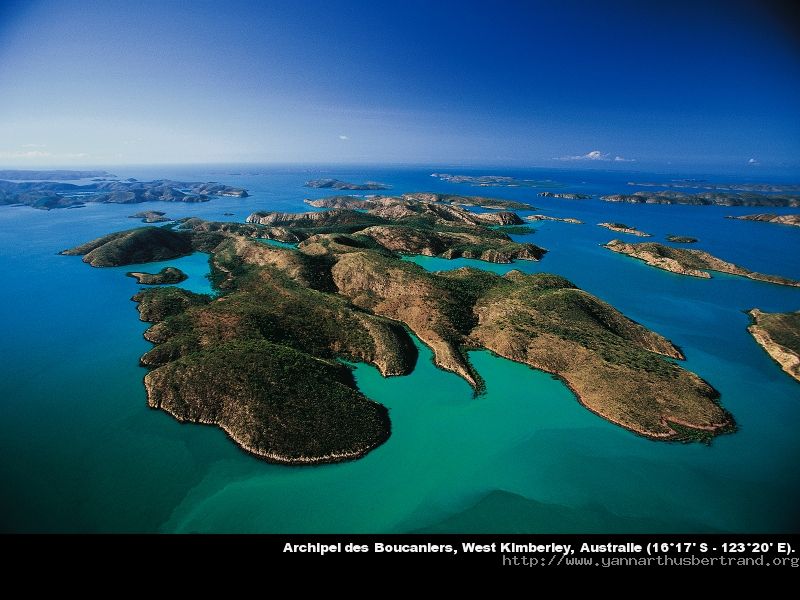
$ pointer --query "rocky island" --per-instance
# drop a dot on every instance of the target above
(549, 218)
(695, 263)
(706, 185)
(166, 276)
(565, 195)
(336, 184)
(707, 198)
(46, 195)
(681, 239)
(771, 218)
(779, 335)
(622, 228)
(374, 202)
(151, 216)
(261, 361)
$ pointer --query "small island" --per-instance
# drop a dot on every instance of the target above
(565, 195)
(707, 198)
(549, 218)
(694, 263)
(151, 216)
(47, 195)
(166, 276)
(779, 335)
(622, 228)
(261, 360)
(681, 239)
(337, 184)
(771, 218)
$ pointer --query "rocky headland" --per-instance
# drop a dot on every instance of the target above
(779, 335)
(166, 276)
(622, 228)
(695, 263)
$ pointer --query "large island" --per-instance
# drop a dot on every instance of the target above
(262, 359)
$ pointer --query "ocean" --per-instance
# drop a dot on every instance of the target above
(80, 451)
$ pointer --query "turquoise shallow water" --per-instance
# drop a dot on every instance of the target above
(82, 452)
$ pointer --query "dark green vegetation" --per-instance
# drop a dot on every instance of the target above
(166, 276)
(681, 239)
(49, 175)
(695, 263)
(260, 360)
(336, 184)
(779, 335)
(47, 195)
(146, 244)
(707, 198)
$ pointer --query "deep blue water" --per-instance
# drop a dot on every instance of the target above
(82, 452)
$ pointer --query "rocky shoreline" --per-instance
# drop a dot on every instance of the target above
(779, 335)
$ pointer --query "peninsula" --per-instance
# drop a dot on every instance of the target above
(707, 198)
(622, 228)
(779, 335)
(166, 276)
(695, 263)
(336, 184)
(47, 195)
(771, 218)
(261, 360)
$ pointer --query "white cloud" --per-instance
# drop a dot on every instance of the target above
(596, 155)
(343, 137)
(752, 161)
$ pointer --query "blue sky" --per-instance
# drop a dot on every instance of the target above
(610, 84)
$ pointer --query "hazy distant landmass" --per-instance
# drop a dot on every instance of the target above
(495, 180)
(771, 218)
(707, 199)
(53, 175)
(49, 195)
(337, 184)
(734, 187)
(261, 359)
